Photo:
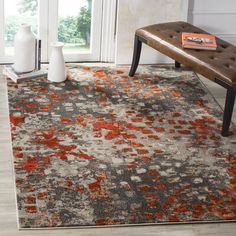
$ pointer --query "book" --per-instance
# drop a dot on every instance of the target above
(38, 66)
(9, 71)
(198, 41)
(37, 54)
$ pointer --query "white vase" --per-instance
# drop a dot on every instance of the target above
(24, 45)
(56, 70)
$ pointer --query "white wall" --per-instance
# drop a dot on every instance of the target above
(133, 14)
(216, 17)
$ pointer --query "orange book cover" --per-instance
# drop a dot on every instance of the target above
(199, 41)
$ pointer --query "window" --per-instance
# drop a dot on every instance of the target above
(15, 12)
(76, 23)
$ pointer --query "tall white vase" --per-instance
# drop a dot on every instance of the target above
(56, 70)
(24, 45)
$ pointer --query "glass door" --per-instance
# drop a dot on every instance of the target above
(14, 13)
(76, 23)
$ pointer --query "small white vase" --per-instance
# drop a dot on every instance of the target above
(24, 45)
(56, 70)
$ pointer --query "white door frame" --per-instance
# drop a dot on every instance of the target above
(43, 28)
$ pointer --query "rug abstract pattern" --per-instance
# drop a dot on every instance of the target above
(106, 149)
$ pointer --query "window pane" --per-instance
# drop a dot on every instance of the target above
(16, 13)
(74, 26)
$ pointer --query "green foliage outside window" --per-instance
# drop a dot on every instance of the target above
(28, 6)
(71, 29)
(83, 24)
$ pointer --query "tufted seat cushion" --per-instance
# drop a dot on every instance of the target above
(219, 65)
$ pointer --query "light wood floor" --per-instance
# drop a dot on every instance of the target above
(8, 218)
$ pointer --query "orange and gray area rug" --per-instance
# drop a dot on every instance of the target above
(103, 148)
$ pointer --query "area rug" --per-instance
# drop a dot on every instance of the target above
(104, 149)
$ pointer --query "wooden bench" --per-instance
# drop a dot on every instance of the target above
(218, 66)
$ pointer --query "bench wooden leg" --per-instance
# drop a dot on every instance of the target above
(228, 111)
(136, 55)
(177, 64)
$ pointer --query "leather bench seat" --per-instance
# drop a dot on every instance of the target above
(218, 65)
(166, 38)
